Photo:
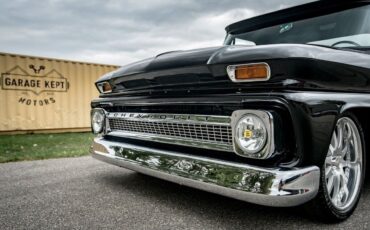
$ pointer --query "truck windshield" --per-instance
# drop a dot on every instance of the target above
(349, 28)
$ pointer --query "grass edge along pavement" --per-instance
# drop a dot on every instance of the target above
(25, 147)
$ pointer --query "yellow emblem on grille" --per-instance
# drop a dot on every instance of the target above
(248, 133)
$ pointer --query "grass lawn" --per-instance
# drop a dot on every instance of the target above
(43, 146)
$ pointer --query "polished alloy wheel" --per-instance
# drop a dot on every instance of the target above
(343, 165)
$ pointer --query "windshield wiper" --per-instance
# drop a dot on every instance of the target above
(361, 49)
(325, 46)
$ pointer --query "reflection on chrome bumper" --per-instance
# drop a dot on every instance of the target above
(271, 187)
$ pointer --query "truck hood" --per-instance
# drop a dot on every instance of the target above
(168, 60)
(208, 65)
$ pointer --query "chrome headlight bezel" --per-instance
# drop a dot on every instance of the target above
(268, 149)
(103, 126)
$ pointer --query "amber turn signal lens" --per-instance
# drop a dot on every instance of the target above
(249, 72)
(107, 87)
(104, 87)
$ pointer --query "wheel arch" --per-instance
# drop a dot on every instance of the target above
(363, 116)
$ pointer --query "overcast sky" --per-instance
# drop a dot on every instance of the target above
(120, 31)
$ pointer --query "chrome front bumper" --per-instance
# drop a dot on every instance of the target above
(264, 186)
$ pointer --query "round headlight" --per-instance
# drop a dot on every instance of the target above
(97, 120)
(250, 134)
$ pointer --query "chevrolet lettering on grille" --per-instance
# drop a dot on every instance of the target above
(171, 117)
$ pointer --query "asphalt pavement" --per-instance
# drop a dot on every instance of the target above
(83, 193)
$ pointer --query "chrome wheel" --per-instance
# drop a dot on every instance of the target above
(343, 165)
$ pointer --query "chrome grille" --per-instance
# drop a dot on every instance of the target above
(215, 133)
(212, 132)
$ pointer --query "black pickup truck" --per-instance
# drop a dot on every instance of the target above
(278, 115)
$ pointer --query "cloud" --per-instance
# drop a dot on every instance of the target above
(117, 31)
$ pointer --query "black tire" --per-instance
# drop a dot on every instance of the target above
(321, 207)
